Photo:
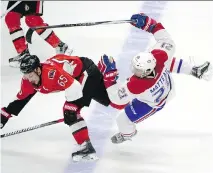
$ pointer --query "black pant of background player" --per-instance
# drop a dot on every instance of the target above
(27, 7)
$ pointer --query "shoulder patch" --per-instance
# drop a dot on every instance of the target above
(51, 74)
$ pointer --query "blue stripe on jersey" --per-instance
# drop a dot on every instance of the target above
(179, 66)
(137, 110)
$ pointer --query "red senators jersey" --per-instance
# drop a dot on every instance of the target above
(58, 74)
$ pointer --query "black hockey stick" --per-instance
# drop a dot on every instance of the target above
(32, 128)
(31, 30)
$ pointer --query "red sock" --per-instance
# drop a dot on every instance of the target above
(80, 131)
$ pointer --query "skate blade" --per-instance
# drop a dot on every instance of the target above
(87, 158)
(209, 74)
(14, 64)
(68, 52)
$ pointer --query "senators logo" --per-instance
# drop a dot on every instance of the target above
(51, 74)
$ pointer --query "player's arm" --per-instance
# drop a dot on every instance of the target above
(71, 64)
(119, 95)
(72, 88)
(14, 108)
(122, 94)
(165, 46)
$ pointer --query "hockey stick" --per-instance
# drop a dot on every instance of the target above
(32, 128)
(8, 10)
(31, 30)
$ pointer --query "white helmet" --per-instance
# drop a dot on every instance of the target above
(143, 64)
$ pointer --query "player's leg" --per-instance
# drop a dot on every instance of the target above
(73, 118)
(101, 95)
(180, 66)
(78, 125)
(48, 34)
(135, 112)
(12, 20)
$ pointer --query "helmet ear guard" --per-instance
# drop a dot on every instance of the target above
(143, 64)
(29, 63)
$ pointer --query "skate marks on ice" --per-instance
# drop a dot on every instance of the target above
(102, 120)
(156, 151)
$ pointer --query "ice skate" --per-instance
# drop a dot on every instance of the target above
(15, 61)
(203, 71)
(62, 48)
(120, 138)
(86, 153)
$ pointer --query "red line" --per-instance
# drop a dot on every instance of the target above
(172, 65)
(146, 116)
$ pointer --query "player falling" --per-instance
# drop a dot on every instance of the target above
(151, 86)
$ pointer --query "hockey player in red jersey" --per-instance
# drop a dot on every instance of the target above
(81, 81)
(32, 10)
(151, 86)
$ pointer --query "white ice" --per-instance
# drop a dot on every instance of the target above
(179, 139)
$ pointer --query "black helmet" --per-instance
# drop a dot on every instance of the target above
(29, 63)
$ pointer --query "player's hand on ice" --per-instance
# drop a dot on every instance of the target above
(107, 66)
(142, 21)
(4, 117)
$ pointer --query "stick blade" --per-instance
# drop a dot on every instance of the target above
(29, 35)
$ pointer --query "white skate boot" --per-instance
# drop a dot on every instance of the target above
(62, 48)
(120, 138)
(15, 61)
(203, 71)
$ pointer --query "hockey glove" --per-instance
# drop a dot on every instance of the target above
(107, 66)
(4, 117)
(143, 22)
(71, 111)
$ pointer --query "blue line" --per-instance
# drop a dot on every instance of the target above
(179, 66)
(99, 124)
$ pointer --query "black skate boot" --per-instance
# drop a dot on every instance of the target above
(203, 71)
(62, 48)
(86, 153)
(15, 61)
(120, 138)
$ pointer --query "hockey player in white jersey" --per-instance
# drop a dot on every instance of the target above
(151, 85)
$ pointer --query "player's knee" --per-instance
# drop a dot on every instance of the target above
(32, 21)
(123, 117)
(12, 20)
(70, 117)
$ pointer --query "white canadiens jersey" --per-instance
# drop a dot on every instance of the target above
(153, 91)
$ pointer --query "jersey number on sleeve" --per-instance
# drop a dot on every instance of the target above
(166, 46)
(122, 93)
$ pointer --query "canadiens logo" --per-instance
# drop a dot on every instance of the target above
(51, 74)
